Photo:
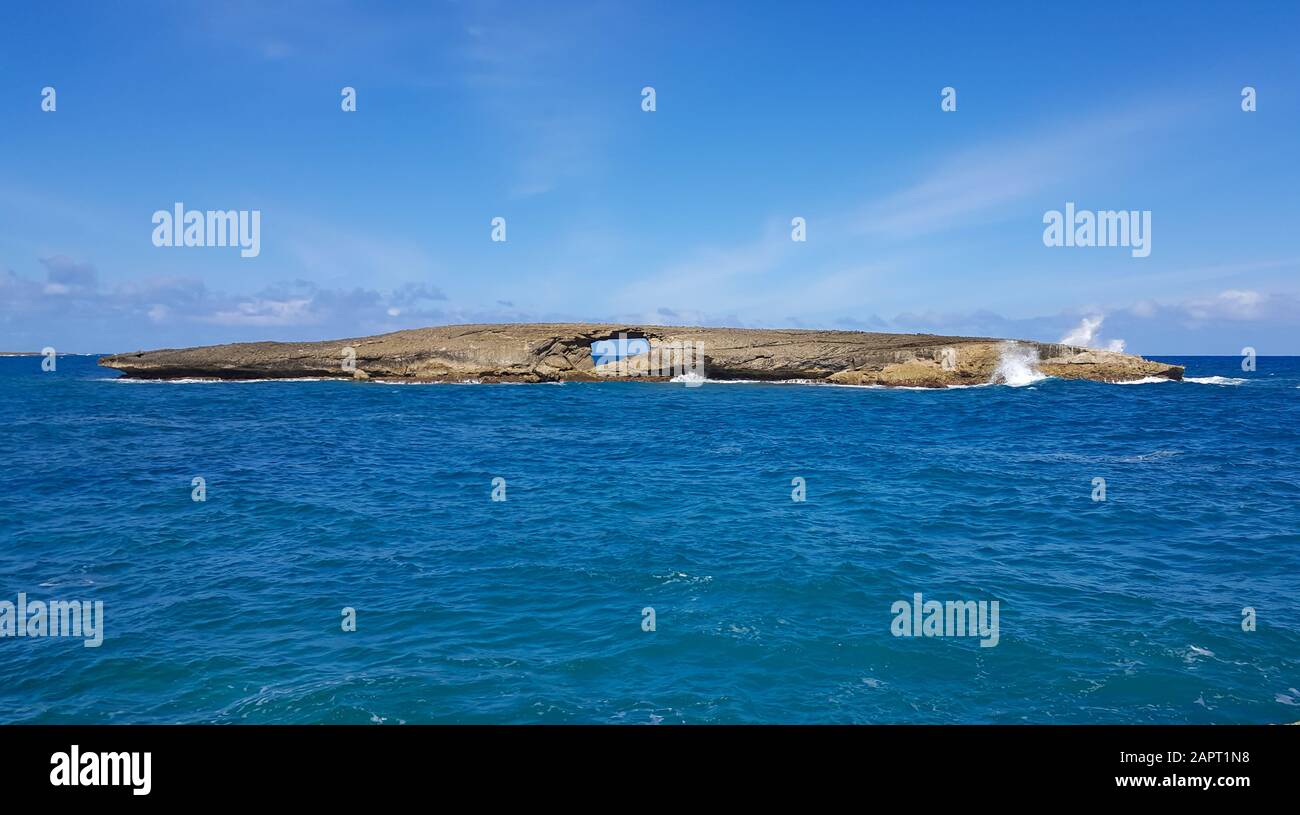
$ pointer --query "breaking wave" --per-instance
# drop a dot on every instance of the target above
(1146, 380)
(1017, 366)
(1195, 380)
(126, 380)
(1215, 380)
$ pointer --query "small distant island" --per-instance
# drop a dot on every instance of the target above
(556, 352)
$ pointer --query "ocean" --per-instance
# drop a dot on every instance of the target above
(635, 506)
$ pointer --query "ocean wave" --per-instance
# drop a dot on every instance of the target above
(683, 577)
(821, 383)
(312, 493)
(1152, 456)
(213, 381)
(696, 379)
(1196, 380)
(1014, 370)
(1146, 380)
(1215, 380)
(435, 382)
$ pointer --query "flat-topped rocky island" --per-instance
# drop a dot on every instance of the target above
(551, 352)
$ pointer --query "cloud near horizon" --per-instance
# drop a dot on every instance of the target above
(173, 309)
(177, 310)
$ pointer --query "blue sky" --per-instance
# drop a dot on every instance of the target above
(917, 219)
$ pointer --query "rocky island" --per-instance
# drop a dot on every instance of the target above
(563, 352)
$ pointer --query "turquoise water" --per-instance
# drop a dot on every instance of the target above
(622, 496)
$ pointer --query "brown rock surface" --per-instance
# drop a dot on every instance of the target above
(562, 351)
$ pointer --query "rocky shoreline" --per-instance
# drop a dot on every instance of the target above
(562, 352)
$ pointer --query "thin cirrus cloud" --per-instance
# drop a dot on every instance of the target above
(516, 65)
(520, 69)
(984, 181)
(766, 279)
(1216, 324)
(326, 252)
(885, 245)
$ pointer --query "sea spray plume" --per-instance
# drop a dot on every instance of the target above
(1017, 365)
(1084, 333)
(1087, 334)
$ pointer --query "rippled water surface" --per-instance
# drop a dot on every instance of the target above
(621, 496)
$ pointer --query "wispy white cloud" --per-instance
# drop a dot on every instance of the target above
(981, 182)
(522, 67)
(774, 278)
(346, 256)
(1234, 304)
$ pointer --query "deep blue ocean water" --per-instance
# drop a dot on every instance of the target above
(621, 496)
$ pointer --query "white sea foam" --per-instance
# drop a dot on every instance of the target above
(1017, 366)
(1195, 380)
(821, 383)
(1155, 455)
(126, 380)
(1146, 380)
(1215, 380)
(424, 382)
